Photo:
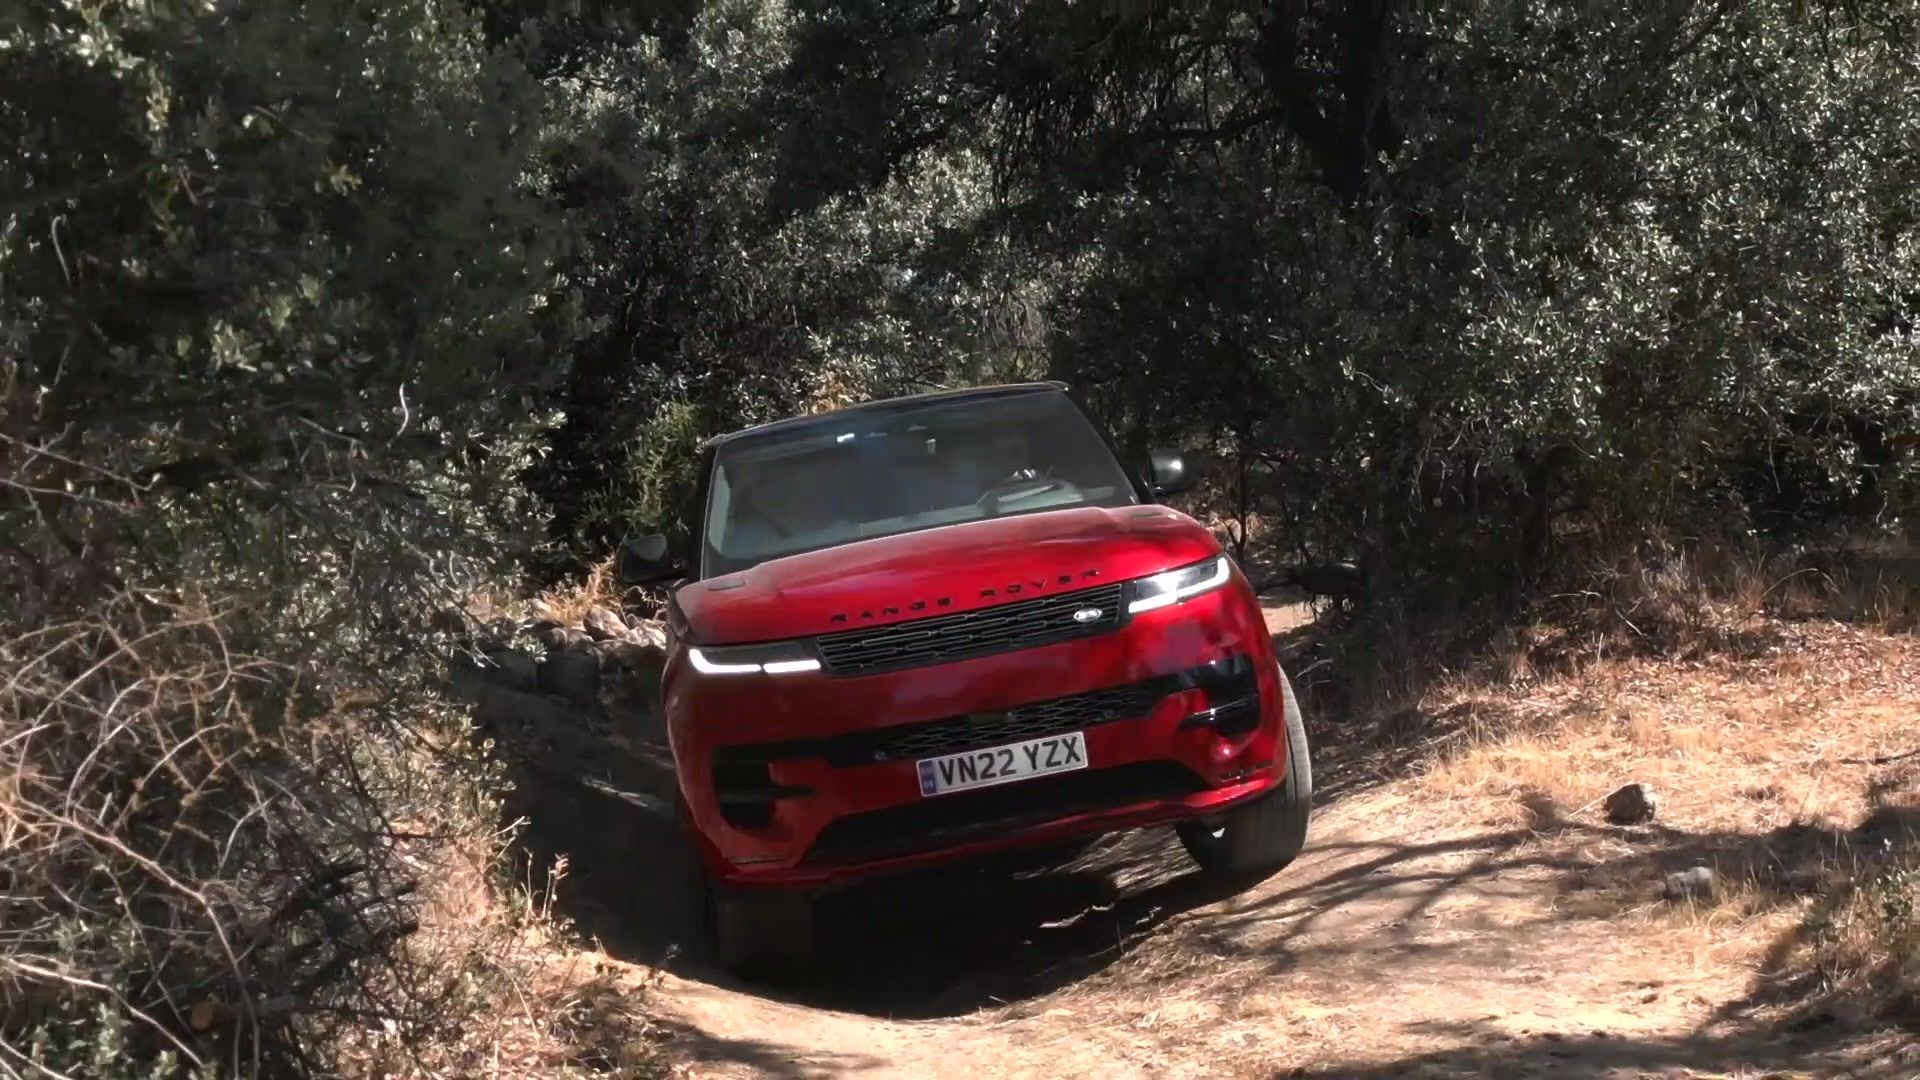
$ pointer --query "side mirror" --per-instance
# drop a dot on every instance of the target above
(645, 560)
(1167, 472)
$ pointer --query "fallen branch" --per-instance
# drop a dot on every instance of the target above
(1884, 759)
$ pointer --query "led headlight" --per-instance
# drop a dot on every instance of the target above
(780, 658)
(1161, 590)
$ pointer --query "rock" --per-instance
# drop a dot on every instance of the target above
(571, 675)
(631, 656)
(510, 668)
(605, 624)
(648, 632)
(558, 639)
(1337, 580)
(1633, 804)
(633, 671)
(494, 634)
(1699, 883)
(502, 710)
(208, 1014)
(465, 678)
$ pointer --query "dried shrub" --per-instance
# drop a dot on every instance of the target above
(1862, 943)
(215, 863)
(190, 879)
(247, 455)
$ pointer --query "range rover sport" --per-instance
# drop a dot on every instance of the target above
(933, 628)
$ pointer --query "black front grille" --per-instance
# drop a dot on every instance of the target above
(943, 639)
(1018, 724)
(950, 819)
(970, 732)
(1227, 680)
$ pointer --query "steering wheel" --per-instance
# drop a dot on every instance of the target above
(1023, 484)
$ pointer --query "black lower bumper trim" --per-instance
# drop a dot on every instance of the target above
(952, 819)
(1232, 719)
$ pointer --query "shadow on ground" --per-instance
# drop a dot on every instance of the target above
(1477, 1051)
(762, 1057)
(1406, 882)
(948, 942)
(951, 941)
(936, 943)
(593, 795)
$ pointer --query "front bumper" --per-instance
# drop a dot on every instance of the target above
(789, 782)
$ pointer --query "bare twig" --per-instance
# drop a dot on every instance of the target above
(1884, 759)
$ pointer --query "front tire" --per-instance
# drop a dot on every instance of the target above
(1261, 837)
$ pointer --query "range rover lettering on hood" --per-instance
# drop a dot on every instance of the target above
(1012, 590)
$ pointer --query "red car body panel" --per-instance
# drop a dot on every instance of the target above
(949, 570)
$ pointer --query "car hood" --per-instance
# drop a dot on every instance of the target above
(940, 571)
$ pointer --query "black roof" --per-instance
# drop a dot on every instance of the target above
(888, 405)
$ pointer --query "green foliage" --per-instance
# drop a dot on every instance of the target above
(655, 491)
(1445, 284)
(1464, 282)
(312, 314)
(741, 244)
(275, 323)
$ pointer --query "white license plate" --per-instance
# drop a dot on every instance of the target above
(1003, 764)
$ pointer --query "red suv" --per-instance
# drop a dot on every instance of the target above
(936, 627)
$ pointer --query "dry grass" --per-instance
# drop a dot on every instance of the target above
(1768, 711)
(1680, 604)
(568, 602)
(1735, 742)
(1860, 947)
(163, 898)
(528, 998)
(1703, 600)
(1793, 772)
(1479, 894)
(1890, 603)
(193, 880)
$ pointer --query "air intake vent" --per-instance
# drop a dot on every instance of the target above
(944, 639)
(951, 819)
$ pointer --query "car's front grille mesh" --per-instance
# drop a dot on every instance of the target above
(942, 639)
(973, 731)
(1019, 724)
(949, 819)
(1229, 680)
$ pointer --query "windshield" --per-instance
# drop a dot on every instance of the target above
(899, 471)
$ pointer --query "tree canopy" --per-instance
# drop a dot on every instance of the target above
(316, 313)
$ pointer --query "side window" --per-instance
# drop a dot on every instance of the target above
(719, 501)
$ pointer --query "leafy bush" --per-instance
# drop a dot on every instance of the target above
(1465, 293)
(653, 492)
(269, 361)
(1567, 276)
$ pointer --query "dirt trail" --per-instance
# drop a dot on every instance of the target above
(1368, 948)
(1417, 935)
